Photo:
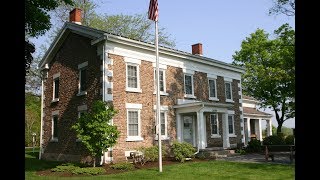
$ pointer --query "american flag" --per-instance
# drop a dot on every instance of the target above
(153, 10)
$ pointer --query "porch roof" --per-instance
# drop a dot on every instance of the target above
(252, 112)
(203, 104)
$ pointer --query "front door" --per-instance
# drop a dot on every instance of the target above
(188, 129)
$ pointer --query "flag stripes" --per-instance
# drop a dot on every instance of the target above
(153, 10)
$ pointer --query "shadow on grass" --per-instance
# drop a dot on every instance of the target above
(32, 163)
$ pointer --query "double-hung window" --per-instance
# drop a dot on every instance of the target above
(214, 123)
(54, 128)
(188, 86)
(231, 124)
(212, 89)
(83, 75)
(228, 91)
(163, 122)
(133, 122)
(56, 84)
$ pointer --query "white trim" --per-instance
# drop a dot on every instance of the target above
(162, 108)
(215, 89)
(192, 86)
(132, 60)
(55, 113)
(232, 135)
(82, 65)
(227, 79)
(130, 89)
(138, 137)
(83, 107)
(230, 112)
(217, 120)
(212, 76)
(57, 75)
(233, 129)
(188, 71)
(161, 66)
(133, 106)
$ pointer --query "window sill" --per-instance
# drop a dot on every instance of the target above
(162, 93)
(213, 99)
(229, 100)
(162, 138)
(82, 93)
(55, 100)
(134, 138)
(134, 90)
(215, 136)
(232, 135)
(190, 96)
(54, 140)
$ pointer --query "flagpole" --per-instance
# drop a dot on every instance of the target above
(158, 96)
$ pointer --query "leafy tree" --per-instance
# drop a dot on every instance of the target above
(137, 26)
(94, 129)
(286, 7)
(270, 70)
(37, 22)
(32, 118)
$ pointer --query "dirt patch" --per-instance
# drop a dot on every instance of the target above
(109, 170)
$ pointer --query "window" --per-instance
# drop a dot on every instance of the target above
(231, 124)
(163, 123)
(228, 88)
(55, 127)
(133, 122)
(214, 124)
(161, 80)
(56, 84)
(188, 84)
(83, 78)
(133, 83)
(212, 89)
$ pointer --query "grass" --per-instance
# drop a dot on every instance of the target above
(197, 170)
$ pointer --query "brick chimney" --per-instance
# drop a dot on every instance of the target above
(75, 16)
(197, 49)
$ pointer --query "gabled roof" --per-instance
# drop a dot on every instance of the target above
(254, 112)
(98, 36)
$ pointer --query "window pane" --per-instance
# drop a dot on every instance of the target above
(228, 90)
(214, 125)
(55, 126)
(212, 88)
(161, 80)
(56, 88)
(133, 123)
(188, 84)
(230, 123)
(163, 125)
(132, 76)
(83, 79)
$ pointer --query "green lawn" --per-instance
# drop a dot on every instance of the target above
(196, 170)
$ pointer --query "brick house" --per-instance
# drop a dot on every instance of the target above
(201, 98)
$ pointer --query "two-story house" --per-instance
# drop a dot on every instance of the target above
(201, 98)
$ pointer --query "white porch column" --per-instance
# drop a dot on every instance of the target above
(178, 124)
(269, 127)
(258, 129)
(225, 131)
(248, 131)
(201, 132)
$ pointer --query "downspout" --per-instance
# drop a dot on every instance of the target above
(198, 148)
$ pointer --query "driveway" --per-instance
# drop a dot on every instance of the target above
(257, 158)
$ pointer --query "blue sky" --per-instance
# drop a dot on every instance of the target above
(220, 25)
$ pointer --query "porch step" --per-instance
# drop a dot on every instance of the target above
(216, 153)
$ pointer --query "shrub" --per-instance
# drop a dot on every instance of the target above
(240, 151)
(182, 150)
(68, 167)
(152, 153)
(89, 170)
(274, 140)
(123, 166)
(289, 140)
(254, 146)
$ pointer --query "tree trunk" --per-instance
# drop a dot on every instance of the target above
(279, 127)
(94, 161)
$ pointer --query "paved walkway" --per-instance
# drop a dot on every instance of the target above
(258, 158)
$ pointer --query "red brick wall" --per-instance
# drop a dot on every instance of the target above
(75, 50)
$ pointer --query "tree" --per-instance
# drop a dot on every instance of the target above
(37, 22)
(32, 117)
(137, 26)
(95, 131)
(286, 7)
(270, 70)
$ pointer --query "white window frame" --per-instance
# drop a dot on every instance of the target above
(231, 134)
(225, 91)
(136, 108)
(217, 119)
(215, 86)
(163, 109)
(81, 109)
(164, 92)
(80, 68)
(192, 86)
(55, 77)
(130, 89)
